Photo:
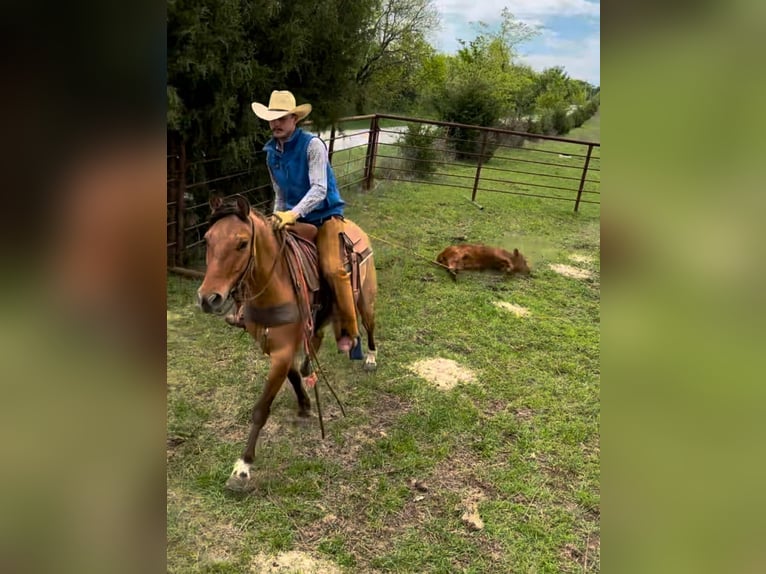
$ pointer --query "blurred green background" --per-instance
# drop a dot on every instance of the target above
(683, 300)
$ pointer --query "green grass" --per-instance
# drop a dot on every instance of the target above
(525, 435)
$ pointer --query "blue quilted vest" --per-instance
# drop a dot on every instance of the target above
(290, 169)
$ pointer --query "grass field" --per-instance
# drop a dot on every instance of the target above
(387, 490)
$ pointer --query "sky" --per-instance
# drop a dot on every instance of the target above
(570, 31)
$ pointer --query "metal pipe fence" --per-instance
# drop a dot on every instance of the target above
(480, 159)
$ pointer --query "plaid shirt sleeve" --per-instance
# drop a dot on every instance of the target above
(317, 159)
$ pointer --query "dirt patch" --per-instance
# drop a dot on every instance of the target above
(517, 310)
(570, 271)
(470, 508)
(580, 258)
(585, 557)
(444, 373)
(291, 563)
(445, 491)
(345, 451)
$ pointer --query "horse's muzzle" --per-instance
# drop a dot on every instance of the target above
(212, 303)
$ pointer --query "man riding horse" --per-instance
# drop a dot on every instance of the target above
(306, 191)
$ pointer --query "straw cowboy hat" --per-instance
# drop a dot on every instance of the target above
(281, 104)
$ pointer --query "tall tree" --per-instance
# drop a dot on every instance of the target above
(224, 54)
(397, 35)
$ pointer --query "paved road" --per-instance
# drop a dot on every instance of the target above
(353, 138)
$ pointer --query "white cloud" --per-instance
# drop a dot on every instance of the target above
(581, 59)
(490, 9)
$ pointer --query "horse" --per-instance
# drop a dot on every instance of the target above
(246, 260)
(479, 257)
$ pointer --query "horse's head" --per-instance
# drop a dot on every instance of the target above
(229, 242)
(519, 263)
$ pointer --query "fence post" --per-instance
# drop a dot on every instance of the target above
(170, 216)
(478, 165)
(332, 144)
(180, 205)
(372, 150)
(582, 179)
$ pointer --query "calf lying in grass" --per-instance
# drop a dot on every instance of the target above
(479, 257)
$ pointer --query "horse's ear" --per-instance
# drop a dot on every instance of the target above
(516, 252)
(243, 206)
(215, 202)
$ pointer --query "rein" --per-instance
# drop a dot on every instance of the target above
(251, 261)
(304, 296)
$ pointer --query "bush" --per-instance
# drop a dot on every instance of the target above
(546, 124)
(578, 117)
(468, 103)
(511, 140)
(534, 127)
(419, 150)
(561, 121)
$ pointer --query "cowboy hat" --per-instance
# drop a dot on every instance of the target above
(281, 104)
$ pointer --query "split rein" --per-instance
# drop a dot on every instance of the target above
(306, 314)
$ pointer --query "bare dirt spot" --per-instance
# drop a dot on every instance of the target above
(438, 494)
(569, 271)
(345, 451)
(470, 508)
(517, 310)
(585, 557)
(444, 373)
(291, 563)
(580, 258)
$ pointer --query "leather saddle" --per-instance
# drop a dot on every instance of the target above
(355, 249)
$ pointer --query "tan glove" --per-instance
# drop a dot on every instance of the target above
(280, 219)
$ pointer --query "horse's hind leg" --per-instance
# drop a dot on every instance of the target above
(366, 308)
(304, 403)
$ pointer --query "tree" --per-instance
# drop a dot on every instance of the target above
(482, 81)
(397, 43)
(224, 54)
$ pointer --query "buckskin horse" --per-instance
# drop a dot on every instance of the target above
(247, 260)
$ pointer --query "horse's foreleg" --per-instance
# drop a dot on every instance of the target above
(281, 361)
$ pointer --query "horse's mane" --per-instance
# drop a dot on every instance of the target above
(230, 207)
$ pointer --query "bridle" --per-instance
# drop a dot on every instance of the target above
(251, 263)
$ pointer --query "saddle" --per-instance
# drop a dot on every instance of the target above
(355, 249)
(302, 258)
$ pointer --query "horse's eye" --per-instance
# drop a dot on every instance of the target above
(242, 244)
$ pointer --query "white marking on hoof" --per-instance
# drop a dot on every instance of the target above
(369, 363)
(241, 470)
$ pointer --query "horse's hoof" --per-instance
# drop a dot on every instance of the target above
(236, 484)
(240, 478)
(241, 470)
(369, 366)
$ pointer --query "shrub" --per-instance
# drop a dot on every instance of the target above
(546, 123)
(534, 127)
(578, 117)
(418, 149)
(561, 121)
(470, 103)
